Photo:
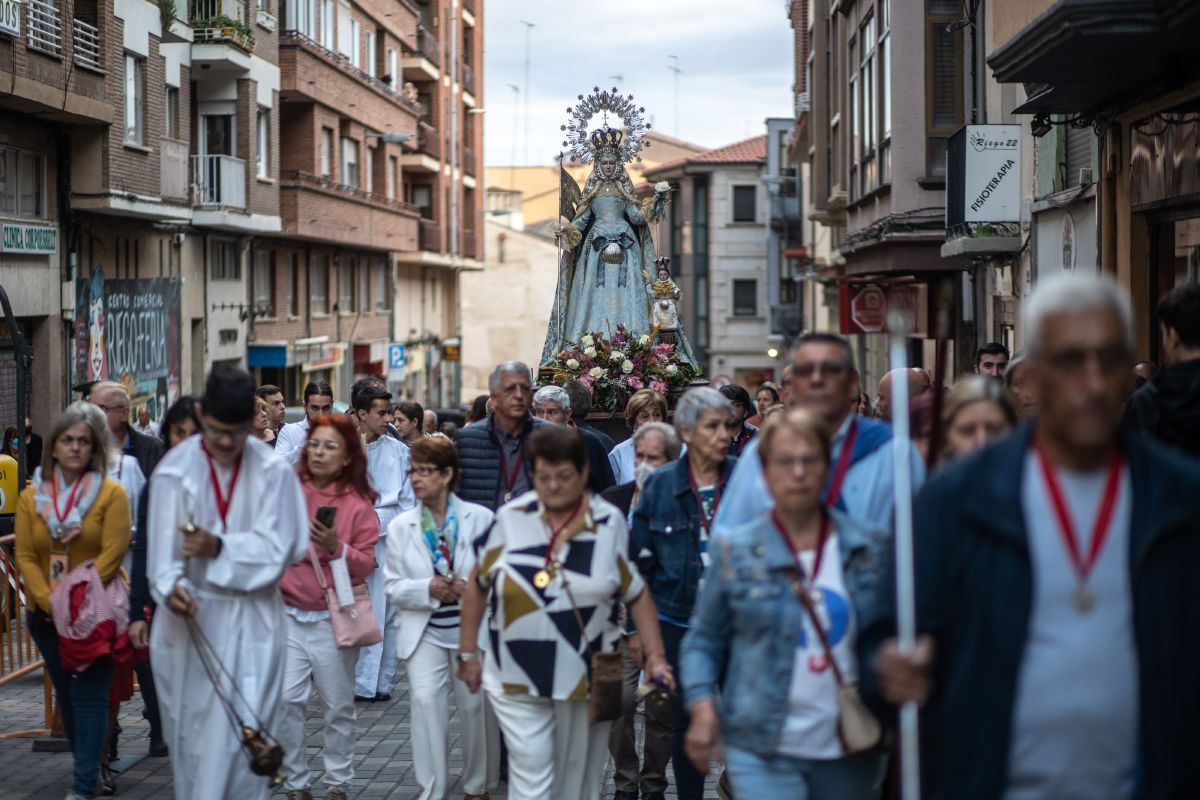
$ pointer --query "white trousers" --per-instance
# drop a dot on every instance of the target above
(553, 753)
(313, 659)
(431, 677)
(376, 671)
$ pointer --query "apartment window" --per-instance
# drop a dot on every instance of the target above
(350, 162)
(171, 113)
(422, 198)
(745, 298)
(327, 24)
(393, 67)
(355, 38)
(700, 262)
(135, 99)
(293, 285)
(369, 169)
(885, 91)
(300, 16)
(223, 261)
(346, 268)
(943, 82)
(263, 154)
(743, 204)
(326, 152)
(392, 170)
(264, 283)
(382, 301)
(363, 273)
(371, 56)
(866, 112)
(318, 285)
(22, 183)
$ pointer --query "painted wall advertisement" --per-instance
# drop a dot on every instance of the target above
(128, 331)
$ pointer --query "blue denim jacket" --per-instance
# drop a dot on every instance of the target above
(747, 624)
(665, 538)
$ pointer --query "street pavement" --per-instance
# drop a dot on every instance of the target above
(383, 766)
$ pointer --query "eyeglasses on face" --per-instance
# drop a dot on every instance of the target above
(806, 369)
(110, 409)
(1073, 361)
(328, 447)
(424, 471)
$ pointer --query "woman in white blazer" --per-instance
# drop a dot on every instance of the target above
(430, 552)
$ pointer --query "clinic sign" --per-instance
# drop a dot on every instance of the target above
(983, 174)
(32, 239)
(10, 17)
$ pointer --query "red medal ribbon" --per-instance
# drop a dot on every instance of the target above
(510, 478)
(822, 539)
(705, 519)
(554, 532)
(223, 500)
(1108, 502)
(70, 497)
(842, 466)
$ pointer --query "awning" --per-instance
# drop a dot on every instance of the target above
(266, 355)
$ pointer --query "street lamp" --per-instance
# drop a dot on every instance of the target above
(391, 138)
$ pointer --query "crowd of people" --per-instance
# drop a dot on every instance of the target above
(727, 568)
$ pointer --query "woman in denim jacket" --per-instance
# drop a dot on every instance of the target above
(755, 640)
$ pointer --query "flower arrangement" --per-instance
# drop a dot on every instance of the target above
(615, 367)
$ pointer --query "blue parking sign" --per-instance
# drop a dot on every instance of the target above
(396, 356)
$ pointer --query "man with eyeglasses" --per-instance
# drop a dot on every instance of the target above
(113, 399)
(1057, 587)
(861, 478)
(318, 400)
(387, 469)
(553, 404)
(216, 553)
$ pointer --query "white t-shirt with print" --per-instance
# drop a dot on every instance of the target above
(811, 727)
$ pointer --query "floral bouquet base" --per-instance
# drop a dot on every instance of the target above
(615, 367)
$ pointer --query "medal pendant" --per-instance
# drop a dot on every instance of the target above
(1083, 599)
(507, 496)
(817, 663)
(815, 595)
(541, 579)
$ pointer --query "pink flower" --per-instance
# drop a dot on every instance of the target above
(659, 386)
(635, 382)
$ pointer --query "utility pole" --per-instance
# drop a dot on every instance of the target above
(528, 35)
(674, 67)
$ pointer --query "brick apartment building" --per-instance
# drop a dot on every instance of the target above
(206, 184)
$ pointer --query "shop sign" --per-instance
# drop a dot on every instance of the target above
(868, 310)
(34, 239)
(128, 331)
(983, 174)
(452, 349)
(863, 308)
(332, 355)
(10, 18)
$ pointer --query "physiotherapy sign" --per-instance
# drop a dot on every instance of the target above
(983, 175)
(32, 239)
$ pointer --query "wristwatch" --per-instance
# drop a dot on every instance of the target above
(463, 658)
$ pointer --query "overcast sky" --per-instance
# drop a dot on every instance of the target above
(735, 57)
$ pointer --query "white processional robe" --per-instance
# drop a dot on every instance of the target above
(239, 609)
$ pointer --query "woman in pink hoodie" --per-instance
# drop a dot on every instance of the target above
(333, 473)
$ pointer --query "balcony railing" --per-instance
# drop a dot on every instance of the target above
(87, 45)
(428, 141)
(469, 161)
(220, 181)
(174, 168)
(431, 236)
(45, 27)
(468, 79)
(221, 21)
(294, 38)
(427, 47)
(299, 179)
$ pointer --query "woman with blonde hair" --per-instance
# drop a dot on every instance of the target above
(262, 421)
(646, 405)
(72, 514)
(978, 411)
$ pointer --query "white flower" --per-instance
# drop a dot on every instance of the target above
(662, 186)
(587, 341)
(616, 355)
(627, 366)
(672, 369)
(645, 340)
(590, 352)
(572, 364)
(596, 372)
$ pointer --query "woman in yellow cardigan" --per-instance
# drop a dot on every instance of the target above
(72, 514)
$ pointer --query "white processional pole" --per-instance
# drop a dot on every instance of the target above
(906, 613)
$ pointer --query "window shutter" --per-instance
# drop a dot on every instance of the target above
(1078, 153)
(944, 80)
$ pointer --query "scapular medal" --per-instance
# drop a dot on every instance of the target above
(541, 578)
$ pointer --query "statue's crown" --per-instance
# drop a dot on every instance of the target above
(606, 138)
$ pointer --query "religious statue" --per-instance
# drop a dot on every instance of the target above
(606, 250)
(664, 292)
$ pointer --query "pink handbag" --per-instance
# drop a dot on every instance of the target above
(354, 625)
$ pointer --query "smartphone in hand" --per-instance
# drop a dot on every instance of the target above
(325, 515)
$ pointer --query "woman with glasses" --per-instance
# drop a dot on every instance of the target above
(671, 527)
(646, 405)
(978, 411)
(430, 553)
(772, 641)
(72, 514)
(555, 565)
(342, 528)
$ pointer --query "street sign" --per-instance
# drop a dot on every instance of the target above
(868, 309)
(10, 17)
(396, 356)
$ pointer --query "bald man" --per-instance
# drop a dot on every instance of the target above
(918, 383)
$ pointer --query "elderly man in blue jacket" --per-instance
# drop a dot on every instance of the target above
(1057, 588)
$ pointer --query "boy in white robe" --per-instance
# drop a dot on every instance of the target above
(224, 575)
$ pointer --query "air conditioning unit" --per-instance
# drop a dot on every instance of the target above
(1085, 176)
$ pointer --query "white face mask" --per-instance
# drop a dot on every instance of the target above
(642, 472)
